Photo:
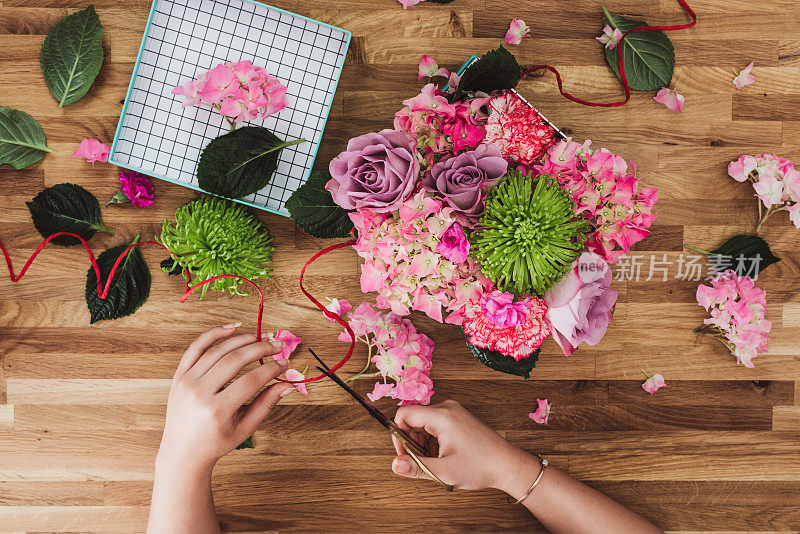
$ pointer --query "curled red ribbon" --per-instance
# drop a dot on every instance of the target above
(620, 64)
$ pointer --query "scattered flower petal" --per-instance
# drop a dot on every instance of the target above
(290, 342)
(653, 383)
(542, 413)
(381, 390)
(610, 38)
(670, 98)
(744, 77)
(429, 69)
(294, 375)
(408, 3)
(93, 150)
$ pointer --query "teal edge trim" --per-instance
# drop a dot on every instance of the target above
(113, 161)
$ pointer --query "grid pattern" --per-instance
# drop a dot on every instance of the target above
(158, 137)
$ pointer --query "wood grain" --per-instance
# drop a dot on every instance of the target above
(718, 449)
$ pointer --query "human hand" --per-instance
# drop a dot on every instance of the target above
(465, 452)
(205, 419)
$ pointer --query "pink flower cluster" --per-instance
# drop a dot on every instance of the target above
(775, 180)
(240, 91)
(517, 129)
(515, 329)
(737, 309)
(401, 354)
(406, 259)
(439, 126)
(605, 194)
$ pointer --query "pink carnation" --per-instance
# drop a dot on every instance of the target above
(517, 341)
(517, 129)
(137, 187)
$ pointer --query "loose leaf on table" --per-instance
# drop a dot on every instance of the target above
(746, 254)
(246, 444)
(240, 163)
(496, 70)
(130, 286)
(66, 208)
(647, 55)
(72, 55)
(505, 364)
(312, 208)
(22, 140)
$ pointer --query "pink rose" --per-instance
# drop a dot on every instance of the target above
(581, 304)
(454, 244)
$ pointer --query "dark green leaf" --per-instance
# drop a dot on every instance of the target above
(66, 208)
(171, 267)
(496, 70)
(22, 140)
(648, 56)
(746, 254)
(246, 444)
(240, 163)
(129, 288)
(72, 55)
(312, 208)
(503, 363)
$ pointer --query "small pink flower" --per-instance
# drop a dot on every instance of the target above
(408, 3)
(653, 383)
(794, 214)
(339, 307)
(418, 207)
(93, 150)
(542, 413)
(220, 84)
(744, 77)
(429, 69)
(290, 343)
(610, 38)
(381, 390)
(670, 98)
(137, 188)
(294, 375)
(454, 244)
(770, 190)
(740, 169)
(516, 31)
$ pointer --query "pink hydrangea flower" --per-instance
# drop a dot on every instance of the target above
(380, 390)
(794, 214)
(653, 383)
(290, 343)
(542, 413)
(428, 68)
(294, 375)
(670, 98)
(408, 3)
(610, 38)
(454, 244)
(93, 150)
(516, 31)
(738, 309)
(775, 181)
(744, 78)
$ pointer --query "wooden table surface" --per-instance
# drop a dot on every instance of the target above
(82, 407)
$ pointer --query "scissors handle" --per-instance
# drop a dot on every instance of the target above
(413, 449)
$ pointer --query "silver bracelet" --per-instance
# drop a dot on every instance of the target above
(545, 463)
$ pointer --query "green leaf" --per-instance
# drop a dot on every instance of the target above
(648, 56)
(746, 254)
(129, 288)
(246, 444)
(22, 140)
(312, 208)
(503, 363)
(66, 208)
(72, 55)
(240, 163)
(496, 70)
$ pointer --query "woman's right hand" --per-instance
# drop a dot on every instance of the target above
(470, 455)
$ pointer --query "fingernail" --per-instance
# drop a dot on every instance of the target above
(286, 392)
(283, 361)
(278, 344)
(232, 326)
(400, 466)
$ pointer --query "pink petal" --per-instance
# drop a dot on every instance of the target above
(542, 413)
(93, 150)
(294, 375)
(516, 31)
(381, 390)
(670, 98)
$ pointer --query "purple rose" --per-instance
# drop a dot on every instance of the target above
(581, 304)
(377, 171)
(463, 179)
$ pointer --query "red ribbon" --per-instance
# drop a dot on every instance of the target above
(102, 291)
(620, 64)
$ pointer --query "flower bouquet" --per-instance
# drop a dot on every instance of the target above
(477, 212)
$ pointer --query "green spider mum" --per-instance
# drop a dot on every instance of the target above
(213, 236)
(528, 236)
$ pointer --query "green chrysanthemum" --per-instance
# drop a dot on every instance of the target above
(213, 236)
(528, 236)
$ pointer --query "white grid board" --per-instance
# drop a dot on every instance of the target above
(186, 37)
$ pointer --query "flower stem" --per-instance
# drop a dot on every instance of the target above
(701, 251)
(366, 367)
(767, 215)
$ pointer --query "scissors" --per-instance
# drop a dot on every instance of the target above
(412, 447)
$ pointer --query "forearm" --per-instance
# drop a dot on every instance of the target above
(564, 505)
(182, 500)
